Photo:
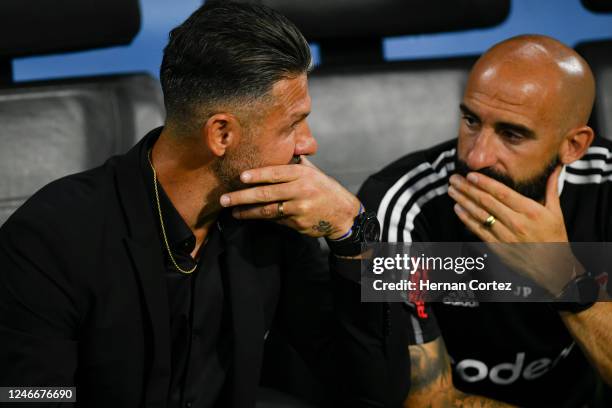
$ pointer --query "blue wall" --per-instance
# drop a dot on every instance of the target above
(566, 20)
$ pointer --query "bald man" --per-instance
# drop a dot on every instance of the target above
(524, 168)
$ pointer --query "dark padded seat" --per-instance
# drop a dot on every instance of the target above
(365, 118)
(599, 56)
(52, 129)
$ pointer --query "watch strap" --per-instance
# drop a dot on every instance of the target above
(579, 294)
(352, 245)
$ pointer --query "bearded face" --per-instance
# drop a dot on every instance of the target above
(533, 188)
(229, 167)
(245, 157)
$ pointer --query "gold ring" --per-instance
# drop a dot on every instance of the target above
(279, 210)
(489, 221)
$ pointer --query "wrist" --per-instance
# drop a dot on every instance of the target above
(567, 268)
(346, 228)
(579, 294)
(365, 230)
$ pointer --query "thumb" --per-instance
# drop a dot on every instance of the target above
(552, 190)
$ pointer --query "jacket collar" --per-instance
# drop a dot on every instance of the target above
(145, 249)
(248, 323)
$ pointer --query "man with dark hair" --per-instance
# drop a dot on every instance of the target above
(134, 284)
(525, 168)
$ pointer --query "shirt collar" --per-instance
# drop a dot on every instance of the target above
(180, 237)
(561, 180)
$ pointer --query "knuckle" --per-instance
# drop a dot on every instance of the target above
(275, 176)
(308, 190)
(473, 208)
(485, 201)
(266, 211)
(512, 225)
(520, 229)
(311, 189)
(304, 207)
(302, 224)
(299, 207)
(479, 199)
(263, 195)
(482, 215)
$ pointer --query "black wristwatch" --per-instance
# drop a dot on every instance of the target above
(578, 295)
(365, 230)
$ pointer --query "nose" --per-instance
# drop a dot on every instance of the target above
(482, 152)
(306, 144)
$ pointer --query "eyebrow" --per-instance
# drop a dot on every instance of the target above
(466, 111)
(515, 127)
(299, 117)
(523, 130)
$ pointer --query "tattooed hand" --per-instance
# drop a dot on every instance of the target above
(297, 195)
(323, 227)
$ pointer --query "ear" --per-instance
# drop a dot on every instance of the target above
(575, 144)
(221, 132)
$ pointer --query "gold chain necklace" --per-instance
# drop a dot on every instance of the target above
(161, 222)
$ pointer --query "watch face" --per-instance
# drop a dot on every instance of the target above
(371, 230)
(588, 289)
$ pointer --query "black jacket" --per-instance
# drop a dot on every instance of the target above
(83, 300)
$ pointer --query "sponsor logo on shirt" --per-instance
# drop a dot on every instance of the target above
(468, 303)
(471, 370)
(464, 298)
(420, 308)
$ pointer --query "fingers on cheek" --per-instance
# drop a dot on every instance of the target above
(459, 196)
(464, 189)
(471, 208)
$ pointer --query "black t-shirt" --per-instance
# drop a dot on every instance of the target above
(516, 352)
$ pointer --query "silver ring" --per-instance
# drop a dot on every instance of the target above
(489, 221)
(279, 210)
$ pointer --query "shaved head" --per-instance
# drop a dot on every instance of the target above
(525, 108)
(539, 64)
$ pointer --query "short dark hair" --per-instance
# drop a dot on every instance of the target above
(227, 52)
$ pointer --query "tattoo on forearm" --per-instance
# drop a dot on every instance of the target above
(323, 227)
(431, 381)
(461, 400)
(429, 367)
